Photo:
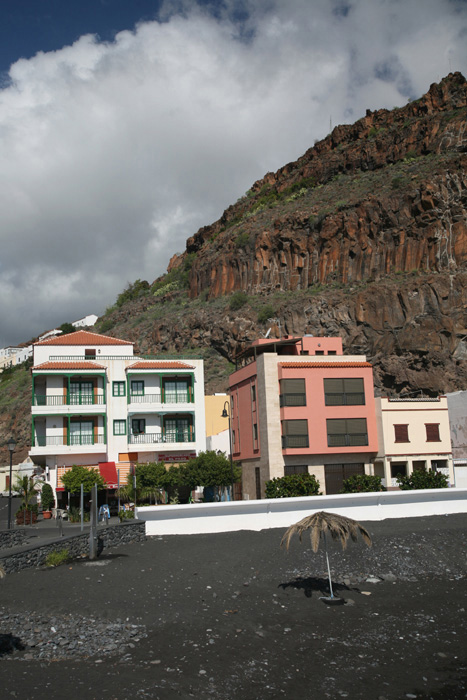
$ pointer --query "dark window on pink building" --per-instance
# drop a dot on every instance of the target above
(344, 392)
(293, 392)
(255, 432)
(347, 432)
(294, 433)
(253, 393)
(401, 433)
(432, 432)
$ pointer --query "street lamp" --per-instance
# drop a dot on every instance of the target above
(226, 414)
(11, 447)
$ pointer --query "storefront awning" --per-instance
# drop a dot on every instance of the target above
(108, 471)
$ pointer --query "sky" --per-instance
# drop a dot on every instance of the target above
(126, 125)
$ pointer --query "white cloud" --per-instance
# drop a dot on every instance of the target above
(112, 154)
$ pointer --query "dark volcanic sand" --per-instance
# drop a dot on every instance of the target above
(233, 616)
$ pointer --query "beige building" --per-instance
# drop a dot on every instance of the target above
(217, 427)
(413, 434)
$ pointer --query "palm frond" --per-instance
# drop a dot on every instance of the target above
(339, 527)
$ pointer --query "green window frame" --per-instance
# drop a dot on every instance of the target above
(119, 427)
(137, 387)
(118, 388)
(138, 426)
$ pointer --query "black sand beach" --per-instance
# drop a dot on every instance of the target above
(230, 616)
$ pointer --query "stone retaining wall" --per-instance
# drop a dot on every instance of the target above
(32, 556)
(12, 538)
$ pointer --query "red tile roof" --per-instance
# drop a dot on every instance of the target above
(321, 365)
(83, 338)
(160, 365)
(69, 365)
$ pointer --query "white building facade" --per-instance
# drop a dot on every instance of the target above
(413, 434)
(95, 403)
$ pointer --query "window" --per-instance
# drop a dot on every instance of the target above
(432, 432)
(401, 433)
(90, 353)
(176, 391)
(137, 388)
(295, 469)
(81, 393)
(253, 393)
(138, 426)
(344, 392)
(119, 427)
(398, 469)
(336, 474)
(332, 352)
(118, 388)
(255, 432)
(347, 432)
(178, 430)
(294, 433)
(319, 352)
(293, 392)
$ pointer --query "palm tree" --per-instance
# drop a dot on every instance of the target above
(26, 489)
(339, 527)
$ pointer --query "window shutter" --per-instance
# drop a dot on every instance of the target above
(295, 427)
(401, 433)
(432, 432)
(292, 386)
(333, 386)
(356, 425)
(353, 386)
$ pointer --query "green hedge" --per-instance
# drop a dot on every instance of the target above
(293, 486)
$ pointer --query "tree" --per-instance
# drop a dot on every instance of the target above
(208, 469)
(47, 497)
(77, 475)
(149, 482)
(422, 480)
(67, 328)
(293, 485)
(25, 487)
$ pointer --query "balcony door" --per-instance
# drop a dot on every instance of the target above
(177, 430)
(176, 391)
(82, 432)
(81, 393)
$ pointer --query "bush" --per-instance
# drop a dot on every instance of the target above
(360, 483)
(26, 516)
(47, 497)
(57, 557)
(293, 486)
(242, 240)
(126, 515)
(422, 480)
(266, 313)
(238, 300)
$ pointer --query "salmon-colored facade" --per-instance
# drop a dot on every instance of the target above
(300, 405)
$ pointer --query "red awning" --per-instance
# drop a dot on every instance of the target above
(60, 488)
(108, 471)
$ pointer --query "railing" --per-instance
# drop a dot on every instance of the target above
(347, 439)
(292, 400)
(294, 441)
(51, 440)
(168, 437)
(356, 398)
(135, 358)
(71, 400)
(172, 397)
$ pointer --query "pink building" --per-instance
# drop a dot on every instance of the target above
(299, 405)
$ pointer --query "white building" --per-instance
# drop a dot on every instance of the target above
(86, 321)
(413, 434)
(96, 404)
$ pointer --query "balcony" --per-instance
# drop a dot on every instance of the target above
(292, 399)
(347, 440)
(171, 436)
(356, 398)
(294, 441)
(167, 398)
(72, 440)
(70, 400)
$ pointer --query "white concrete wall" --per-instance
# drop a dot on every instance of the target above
(282, 512)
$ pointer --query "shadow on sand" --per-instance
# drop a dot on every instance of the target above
(9, 644)
(311, 583)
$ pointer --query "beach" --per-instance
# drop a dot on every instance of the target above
(234, 615)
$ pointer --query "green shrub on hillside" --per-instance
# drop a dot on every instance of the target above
(237, 300)
(266, 313)
(293, 486)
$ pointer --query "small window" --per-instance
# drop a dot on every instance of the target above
(233, 438)
(347, 432)
(119, 427)
(294, 433)
(332, 352)
(401, 433)
(292, 392)
(89, 353)
(138, 426)
(253, 393)
(118, 388)
(295, 469)
(319, 352)
(398, 469)
(432, 432)
(255, 432)
(137, 388)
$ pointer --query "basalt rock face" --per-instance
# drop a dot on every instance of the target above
(387, 194)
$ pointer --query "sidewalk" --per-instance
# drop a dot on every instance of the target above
(45, 531)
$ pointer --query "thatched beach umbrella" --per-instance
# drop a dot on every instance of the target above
(319, 524)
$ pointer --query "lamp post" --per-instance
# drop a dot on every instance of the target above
(11, 447)
(226, 414)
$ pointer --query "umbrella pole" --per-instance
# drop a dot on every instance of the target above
(327, 562)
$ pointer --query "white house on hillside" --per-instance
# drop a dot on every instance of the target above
(96, 404)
